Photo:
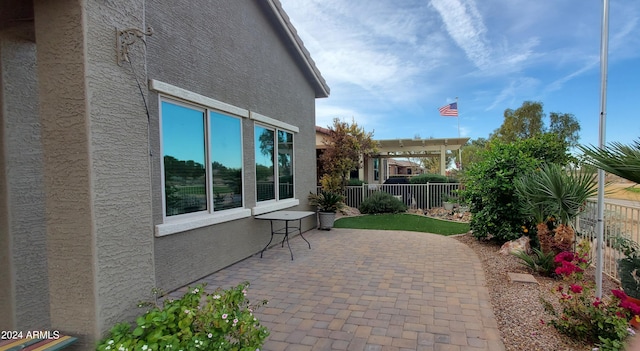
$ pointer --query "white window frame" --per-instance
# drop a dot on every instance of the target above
(189, 221)
(275, 125)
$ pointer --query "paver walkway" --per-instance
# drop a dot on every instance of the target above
(369, 290)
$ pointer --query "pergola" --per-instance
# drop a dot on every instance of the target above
(395, 148)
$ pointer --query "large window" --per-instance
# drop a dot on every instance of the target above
(285, 164)
(274, 164)
(376, 169)
(193, 137)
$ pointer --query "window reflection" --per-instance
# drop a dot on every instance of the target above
(285, 164)
(184, 159)
(264, 153)
(226, 161)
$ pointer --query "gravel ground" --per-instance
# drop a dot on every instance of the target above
(517, 305)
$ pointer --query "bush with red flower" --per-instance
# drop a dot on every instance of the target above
(603, 322)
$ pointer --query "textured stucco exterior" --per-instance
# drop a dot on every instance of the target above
(251, 69)
(96, 167)
(80, 161)
(23, 264)
(63, 112)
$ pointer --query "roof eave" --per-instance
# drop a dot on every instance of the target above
(291, 35)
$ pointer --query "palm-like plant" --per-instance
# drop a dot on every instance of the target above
(570, 191)
(327, 201)
(535, 204)
(623, 161)
(619, 159)
(561, 194)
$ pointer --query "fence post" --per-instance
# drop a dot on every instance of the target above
(428, 197)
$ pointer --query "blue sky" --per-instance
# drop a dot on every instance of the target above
(391, 64)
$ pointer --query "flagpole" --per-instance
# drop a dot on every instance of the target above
(604, 50)
(460, 148)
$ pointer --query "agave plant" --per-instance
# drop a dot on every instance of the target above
(563, 194)
(539, 261)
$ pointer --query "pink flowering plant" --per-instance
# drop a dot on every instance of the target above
(581, 315)
(222, 320)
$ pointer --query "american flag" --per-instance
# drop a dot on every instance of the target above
(449, 110)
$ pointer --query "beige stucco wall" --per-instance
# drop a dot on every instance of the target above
(79, 213)
(96, 167)
(61, 67)
(120, 169)
(228, 51)
(24, 297)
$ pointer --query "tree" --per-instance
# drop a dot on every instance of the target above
(527, 121)
(347, 144)
(565, 126)
(430, 164)
(523, 123)
(471, 152)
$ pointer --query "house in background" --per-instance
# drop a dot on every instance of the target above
(128, 165)
(385, 164)
(404, 168)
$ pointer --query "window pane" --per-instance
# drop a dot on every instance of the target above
(184, 159)
(226, 161)
(265, 179)
(285, 164)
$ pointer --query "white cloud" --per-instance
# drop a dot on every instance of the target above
(516, 87)
(464, 24)
(590, 64)
(391, 64)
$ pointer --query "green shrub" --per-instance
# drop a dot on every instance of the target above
(489, 187)
(224, 321)
(429, 178)
(489, 184)
(381, 202)
(355, 182)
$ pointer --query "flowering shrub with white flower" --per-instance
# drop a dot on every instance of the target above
(223, 320)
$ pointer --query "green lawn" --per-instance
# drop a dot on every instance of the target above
(633, 190)
(408, 222)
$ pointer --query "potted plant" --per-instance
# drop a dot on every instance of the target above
(327, 203)
(629, 267)
(448, 201)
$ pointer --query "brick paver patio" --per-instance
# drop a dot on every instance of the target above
(369, 290)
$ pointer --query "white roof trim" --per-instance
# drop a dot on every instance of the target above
(297, 42)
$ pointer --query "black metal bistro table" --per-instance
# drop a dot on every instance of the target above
(286, 217)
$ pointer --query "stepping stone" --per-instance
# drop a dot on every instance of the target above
(522, 278)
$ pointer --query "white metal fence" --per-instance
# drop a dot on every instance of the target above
(619, 220)
(424, 196)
